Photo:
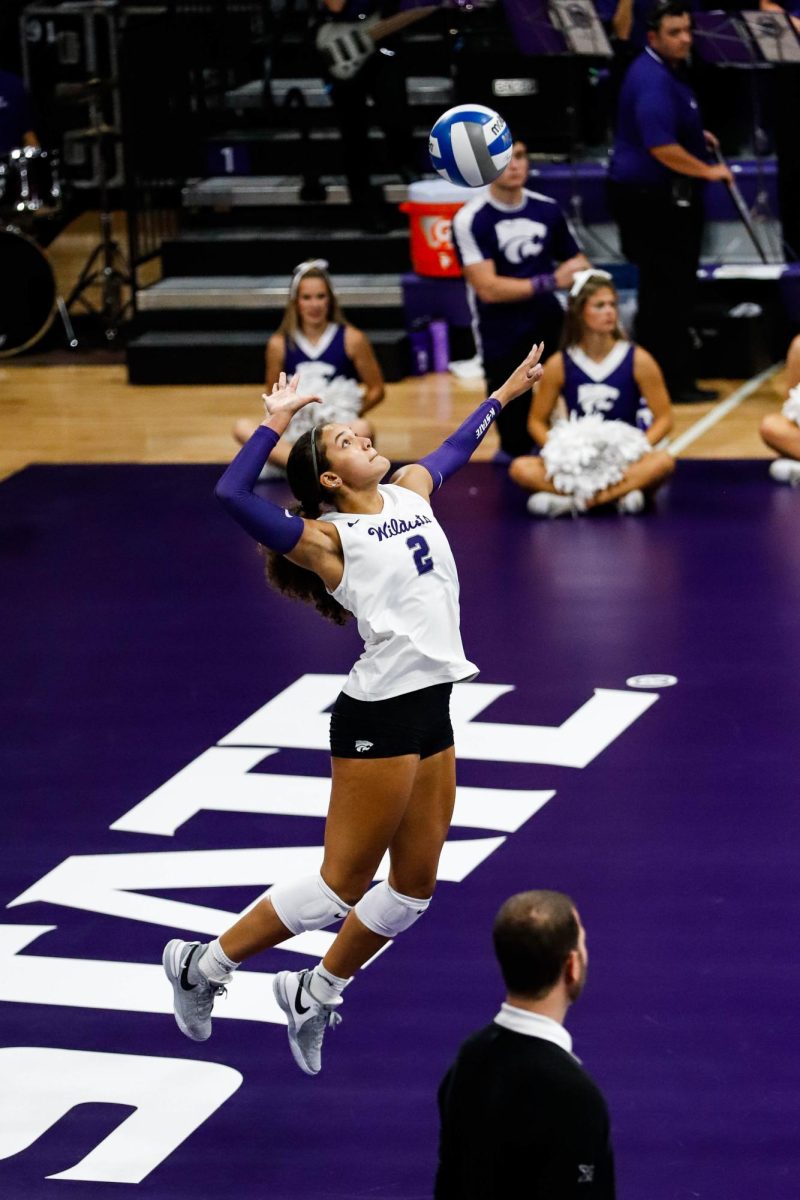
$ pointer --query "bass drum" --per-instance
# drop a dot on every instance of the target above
(27, 293)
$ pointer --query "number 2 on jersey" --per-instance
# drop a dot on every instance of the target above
(423, 559)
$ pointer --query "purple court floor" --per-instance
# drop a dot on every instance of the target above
(163, 763)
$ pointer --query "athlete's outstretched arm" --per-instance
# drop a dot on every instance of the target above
(430, 472)
(266, 522)
(310, 544)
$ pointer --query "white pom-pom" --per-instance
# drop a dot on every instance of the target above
(586, 455)
(791, 408)
(341, 404)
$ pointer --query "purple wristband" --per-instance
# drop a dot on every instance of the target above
(543, 284)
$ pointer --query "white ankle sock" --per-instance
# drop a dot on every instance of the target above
(215, 964)
(324, 986)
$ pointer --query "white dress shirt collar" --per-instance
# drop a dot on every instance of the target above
(521, 1020)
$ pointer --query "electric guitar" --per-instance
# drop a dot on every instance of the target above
(346, 46)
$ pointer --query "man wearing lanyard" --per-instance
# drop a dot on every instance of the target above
(657, 169)
(785, 109)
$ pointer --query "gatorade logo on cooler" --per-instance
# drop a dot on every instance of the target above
(438, 232)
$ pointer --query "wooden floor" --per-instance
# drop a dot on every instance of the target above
(86, 413)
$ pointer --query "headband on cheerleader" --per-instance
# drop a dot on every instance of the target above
(583, 277)
(315, 264)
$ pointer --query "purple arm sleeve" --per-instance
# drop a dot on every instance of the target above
(457, 450)
(274, 527)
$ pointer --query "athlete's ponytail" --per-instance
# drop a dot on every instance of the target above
(307, 461)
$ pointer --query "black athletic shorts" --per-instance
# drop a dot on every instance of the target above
(415, 723)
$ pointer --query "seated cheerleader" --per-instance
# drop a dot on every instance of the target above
(334, 360)
(599, 455)
(781, 431)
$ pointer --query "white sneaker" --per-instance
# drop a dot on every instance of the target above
(548, 504)
(631, 502)
(307, 1019)
(785, 470)
(193, 1001)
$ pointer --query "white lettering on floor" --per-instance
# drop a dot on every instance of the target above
(172, 1097)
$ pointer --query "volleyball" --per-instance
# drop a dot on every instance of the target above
(470, 145)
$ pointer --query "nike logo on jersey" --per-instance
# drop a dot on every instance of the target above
(350, 524)
(298, 1007)
(188, 987)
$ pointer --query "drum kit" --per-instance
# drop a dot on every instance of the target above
(30, 191)
(31, 195)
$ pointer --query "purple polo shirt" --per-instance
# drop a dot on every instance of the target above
(657, 107)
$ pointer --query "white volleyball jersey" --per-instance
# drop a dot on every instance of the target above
(400, 583)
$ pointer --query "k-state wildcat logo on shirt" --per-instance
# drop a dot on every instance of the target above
(519, 238)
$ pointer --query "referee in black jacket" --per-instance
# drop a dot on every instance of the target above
(519, 1115)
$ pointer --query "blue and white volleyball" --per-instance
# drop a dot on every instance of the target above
(470, 145)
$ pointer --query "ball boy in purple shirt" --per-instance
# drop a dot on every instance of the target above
(516, 249)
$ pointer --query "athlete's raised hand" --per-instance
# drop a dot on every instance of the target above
(284, 399)
(532, 365)
(526, 375)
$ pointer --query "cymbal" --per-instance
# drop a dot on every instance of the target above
(95, 131)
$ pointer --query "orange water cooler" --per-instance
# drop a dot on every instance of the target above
(431, 206)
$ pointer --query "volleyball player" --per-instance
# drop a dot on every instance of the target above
(381, 555)
(598, 371)
(333, 359)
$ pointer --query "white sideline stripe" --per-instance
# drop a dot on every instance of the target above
(721, 410)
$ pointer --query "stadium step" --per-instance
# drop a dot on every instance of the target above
(271, 191)
(422, 90)
(257, 151)
(258, 302)
(243, 249)
(261, 292)
(197, 356)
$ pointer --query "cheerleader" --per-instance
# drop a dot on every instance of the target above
(618, 410)
(781, 431)
(380, 555)
(334, 360)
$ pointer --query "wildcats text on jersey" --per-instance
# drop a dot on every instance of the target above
(390, 529)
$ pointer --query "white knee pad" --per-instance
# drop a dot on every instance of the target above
(307, 903)
(386, 912)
